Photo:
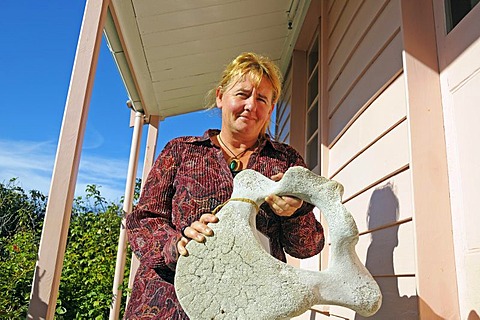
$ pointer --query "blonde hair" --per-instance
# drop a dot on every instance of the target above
(256, 67)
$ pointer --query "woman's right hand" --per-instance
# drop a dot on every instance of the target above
(196, 231)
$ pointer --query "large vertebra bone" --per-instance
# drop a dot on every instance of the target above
(230, 276)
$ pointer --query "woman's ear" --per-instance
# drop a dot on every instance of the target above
(219, 96)
(271, 109)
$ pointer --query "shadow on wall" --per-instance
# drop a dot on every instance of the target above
(37, 307)
(384, 210)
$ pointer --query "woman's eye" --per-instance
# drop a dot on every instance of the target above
(262, 100)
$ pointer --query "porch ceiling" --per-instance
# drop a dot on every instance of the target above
(170, 53)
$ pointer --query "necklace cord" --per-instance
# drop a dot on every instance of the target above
(234, 163)
(220, 206)
(233, 153)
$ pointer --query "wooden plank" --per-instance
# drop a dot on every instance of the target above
(48, 269)
(341, 313)
(378, 37)
(378, 76)
(187, 89)
(157, 53)
(228, 12)
(436, 270)
(182, 63)
(330, 5)
(407, 287)
(334, 15)
(205, 31)
(343, 25)
(144, 8)
(394, 194)
(387, 110)
(359, 27)
(382, 158)
(385, 205)
(324, 122)
(394, 304)
(389, 251)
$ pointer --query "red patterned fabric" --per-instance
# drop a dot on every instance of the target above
(190, 178)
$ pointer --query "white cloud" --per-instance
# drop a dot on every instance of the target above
(32, 163)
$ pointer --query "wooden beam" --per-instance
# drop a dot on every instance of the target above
(436, 276)
(43, 297)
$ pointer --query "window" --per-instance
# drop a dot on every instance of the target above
(456, 10)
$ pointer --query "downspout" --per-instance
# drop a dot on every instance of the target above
(149, 158)
(127, 209)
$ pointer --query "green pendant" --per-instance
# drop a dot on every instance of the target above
(234, 165)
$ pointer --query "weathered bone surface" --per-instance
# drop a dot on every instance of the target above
(230, 276)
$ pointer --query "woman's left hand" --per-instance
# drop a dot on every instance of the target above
(283, 206)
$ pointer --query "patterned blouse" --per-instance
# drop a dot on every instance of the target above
(190, 178)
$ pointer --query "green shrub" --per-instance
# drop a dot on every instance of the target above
(89, 265)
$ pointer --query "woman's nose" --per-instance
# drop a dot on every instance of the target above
(251, 103)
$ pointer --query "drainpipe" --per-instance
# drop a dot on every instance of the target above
(127, 209)
(149, 159)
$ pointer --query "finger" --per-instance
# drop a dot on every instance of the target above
(279, 201)
(182, 250)
(277, 177)
(202, 228)
(269, 200)
(192, 233)
(293, 201)
(278, 206)
(208, 218)
(278, 210)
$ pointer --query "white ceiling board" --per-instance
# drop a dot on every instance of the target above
(176, 50)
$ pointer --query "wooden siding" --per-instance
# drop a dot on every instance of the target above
(368, 147)
(435, 256)
(387, 111)
(282, 119)
(366, 61)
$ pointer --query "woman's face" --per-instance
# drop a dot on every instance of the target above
(245, 109)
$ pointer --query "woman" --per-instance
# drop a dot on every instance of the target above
(193, 175)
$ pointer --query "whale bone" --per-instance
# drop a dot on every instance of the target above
(230, 275)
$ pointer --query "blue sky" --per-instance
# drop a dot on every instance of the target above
(39, 40)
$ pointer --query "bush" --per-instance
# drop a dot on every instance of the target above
(89, 267)
(16, 274)
(90, 257)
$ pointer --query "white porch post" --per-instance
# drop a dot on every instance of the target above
(149, 158)
(127, 209)
(46, 281)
